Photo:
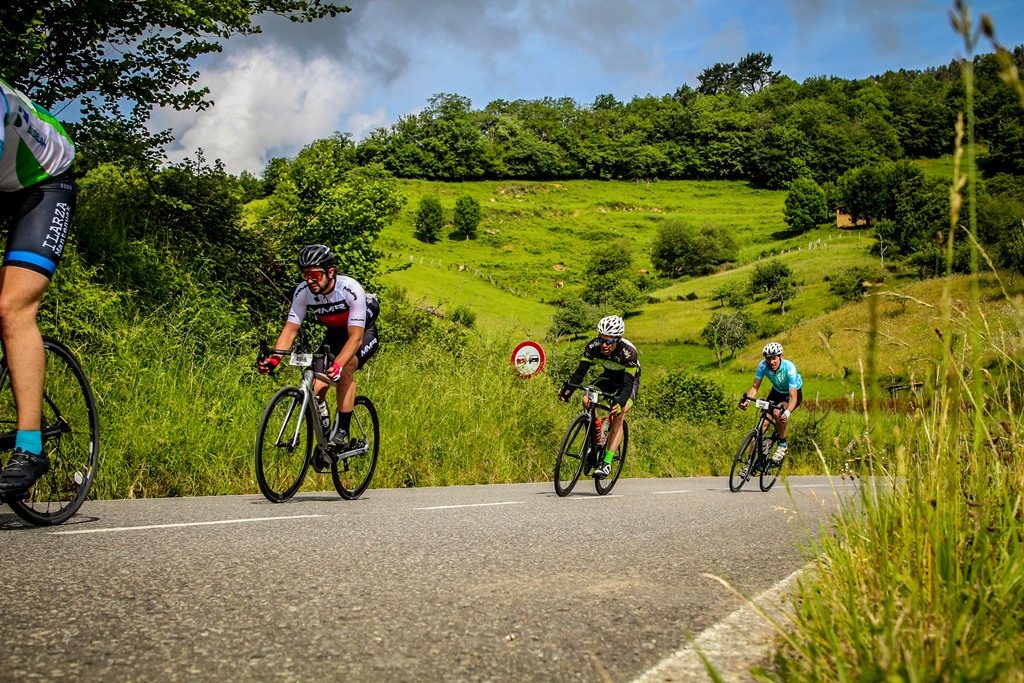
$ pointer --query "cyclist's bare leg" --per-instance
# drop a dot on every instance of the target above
(21, 291)
(783, 423)
(346, 387)
(615, 431)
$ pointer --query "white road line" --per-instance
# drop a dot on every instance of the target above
(822, 486)
(597, 497)
(734, 645)
(661, 493)
(178, 525)
(471, 505)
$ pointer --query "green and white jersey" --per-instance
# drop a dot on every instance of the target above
(33, 145)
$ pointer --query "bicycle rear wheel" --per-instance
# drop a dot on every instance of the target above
(283, 445)
(571, 455)
(354, 469)
(605, 485)
(743, 462)
(70, 426)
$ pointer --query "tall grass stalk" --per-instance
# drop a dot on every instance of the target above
(925, 579)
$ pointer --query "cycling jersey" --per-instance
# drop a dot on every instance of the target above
(783, 379)
(344, 305)
(33, 145)
(620, 369)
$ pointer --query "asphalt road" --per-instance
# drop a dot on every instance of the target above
(474, 583)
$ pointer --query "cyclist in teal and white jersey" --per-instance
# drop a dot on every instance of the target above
(787, 388)
(620, 363)
(37, 200)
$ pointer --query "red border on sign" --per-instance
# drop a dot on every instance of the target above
(534, 345)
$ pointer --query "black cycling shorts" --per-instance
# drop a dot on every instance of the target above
(779, 397)
(38, 219)
(337, 336)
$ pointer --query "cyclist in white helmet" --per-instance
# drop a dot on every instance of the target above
(787, 388)
(619, 361)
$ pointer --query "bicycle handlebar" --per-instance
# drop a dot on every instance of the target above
(600, 393)
(763, 404)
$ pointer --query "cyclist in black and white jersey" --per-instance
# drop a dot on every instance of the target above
(37, 200)
(339, 303)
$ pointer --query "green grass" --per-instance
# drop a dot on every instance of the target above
(535, 235)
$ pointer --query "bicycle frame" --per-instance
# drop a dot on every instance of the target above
(594, 396)
(308, 361)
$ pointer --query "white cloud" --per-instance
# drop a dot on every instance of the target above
(269, 102)
(360, 124)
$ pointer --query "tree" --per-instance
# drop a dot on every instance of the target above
(735, 294)
(754, 72)
(429, 219)
(679, 249)
(775, 279)
(611, 280)
(106, 53)
(805, 205)
(320, 202)
(726, 331)
(467, 216)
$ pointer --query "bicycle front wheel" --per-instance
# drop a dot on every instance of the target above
(354, 469)
(743, 462)
(605, 485)
(71, 441)
(283, 445)
(571, 455)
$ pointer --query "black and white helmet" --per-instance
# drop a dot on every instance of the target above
(772, 349)
(315, 256)
(612, 325)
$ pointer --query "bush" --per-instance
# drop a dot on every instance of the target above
(464, 316)
(573, 319)
(681, 393)
(679, 249)
(848, 284)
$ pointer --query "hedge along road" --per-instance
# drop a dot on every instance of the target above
(502, 582)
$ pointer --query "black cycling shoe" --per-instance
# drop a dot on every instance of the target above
(602, 470)
(22, 471)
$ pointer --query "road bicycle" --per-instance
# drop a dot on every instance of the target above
(754, 454)
(71, 440)
(584, 444)
(292, 425)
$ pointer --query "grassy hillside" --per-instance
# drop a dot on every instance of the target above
(535, 239)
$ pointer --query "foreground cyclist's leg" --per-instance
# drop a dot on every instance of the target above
(42, 216)
(21, 291)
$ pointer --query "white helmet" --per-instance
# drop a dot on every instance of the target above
(772, 349)
(611, 325)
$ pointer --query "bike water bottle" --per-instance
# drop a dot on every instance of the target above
(600, 430)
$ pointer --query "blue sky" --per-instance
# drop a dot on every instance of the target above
(280, 90)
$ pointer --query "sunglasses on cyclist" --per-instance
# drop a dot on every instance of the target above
(610, 342)
(314, 274)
